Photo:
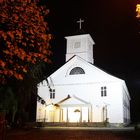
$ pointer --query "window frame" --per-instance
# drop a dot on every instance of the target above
(52, 93)
(103, 91)
(77, 71)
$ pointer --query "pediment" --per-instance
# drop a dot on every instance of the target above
(76, 69)
(72, 101)
(79, 71)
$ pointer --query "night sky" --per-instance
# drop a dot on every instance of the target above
(115, 30)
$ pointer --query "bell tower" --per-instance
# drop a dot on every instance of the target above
(80, 45)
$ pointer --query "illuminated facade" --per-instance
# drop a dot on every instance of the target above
(81, 92)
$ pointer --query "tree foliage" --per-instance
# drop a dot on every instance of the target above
(24, 37)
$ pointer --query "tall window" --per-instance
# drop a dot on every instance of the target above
(103, 91)
(77, 70)
(52, 93)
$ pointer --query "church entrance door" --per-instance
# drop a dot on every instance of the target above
(74, 114)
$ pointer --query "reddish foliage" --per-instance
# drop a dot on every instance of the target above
(23, 38)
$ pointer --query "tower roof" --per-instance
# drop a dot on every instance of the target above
(80, 36)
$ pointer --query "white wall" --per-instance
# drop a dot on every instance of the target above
(115, 107)
(40, 112)
(91, 93)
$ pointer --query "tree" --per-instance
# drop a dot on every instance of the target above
(24, 38)
(8, 102)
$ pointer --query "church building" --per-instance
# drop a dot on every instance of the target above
(81, 92)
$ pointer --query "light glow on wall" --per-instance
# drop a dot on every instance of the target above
(138, 10)
(51, 107)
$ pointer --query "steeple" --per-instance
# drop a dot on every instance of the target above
(80, 45)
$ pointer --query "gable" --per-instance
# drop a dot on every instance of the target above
(72, 101)
(77, 70)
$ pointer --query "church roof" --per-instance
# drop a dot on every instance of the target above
(81, 35)
(88, 67)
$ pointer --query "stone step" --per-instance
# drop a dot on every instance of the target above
(70, 124)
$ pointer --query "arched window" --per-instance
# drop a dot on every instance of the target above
(77, 70)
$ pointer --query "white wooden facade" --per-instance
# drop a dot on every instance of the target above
(80, 92)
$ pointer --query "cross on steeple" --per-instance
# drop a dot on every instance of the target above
(80, 23)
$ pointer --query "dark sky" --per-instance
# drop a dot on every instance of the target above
(114, 28)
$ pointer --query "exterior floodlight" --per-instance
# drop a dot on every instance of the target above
(138, 10)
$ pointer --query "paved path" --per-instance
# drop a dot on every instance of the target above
(72, 133)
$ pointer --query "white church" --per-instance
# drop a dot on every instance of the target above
(81, 92)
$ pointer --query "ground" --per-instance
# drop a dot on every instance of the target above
(70, 134)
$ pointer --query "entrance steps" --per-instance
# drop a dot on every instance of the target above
(71, 124)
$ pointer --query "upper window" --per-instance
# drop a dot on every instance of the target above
(77, 70)
(103, 91)
(52, 93)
